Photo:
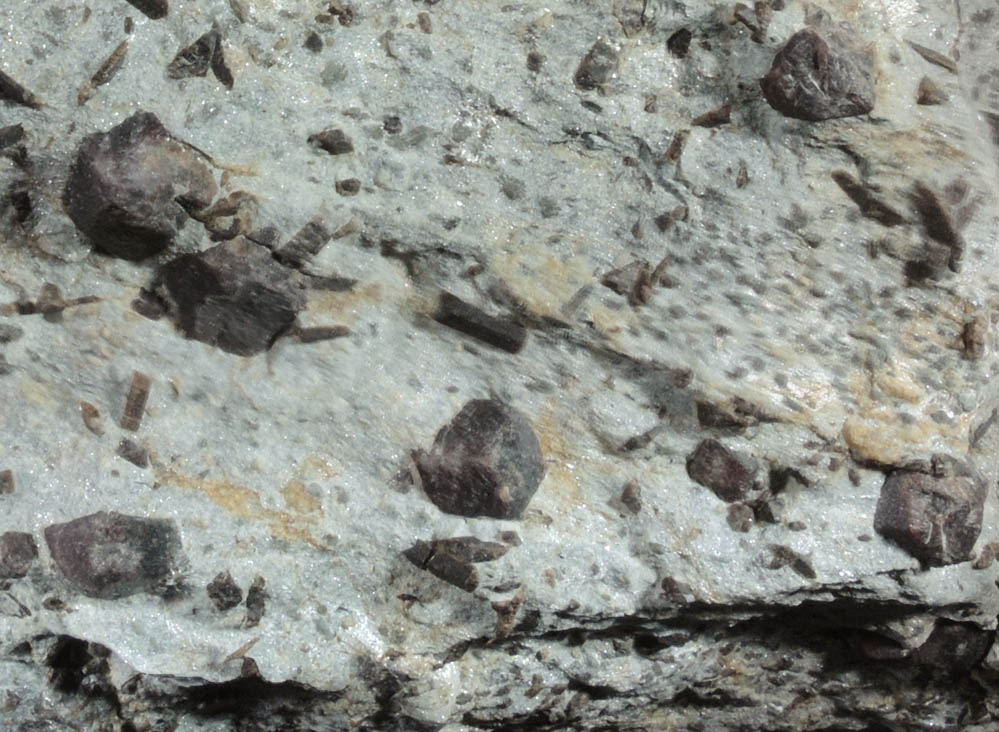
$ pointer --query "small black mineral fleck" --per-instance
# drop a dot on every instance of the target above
(631, 496)
(597, 67)
(535, 61)
(13, 92)
(223, 591)
(11, 135)
(195, 59)
(392, 124)
(134, 453)
(348, 186)
(313, 42)
(486, 462)
(678, 44)
(929, 93)
(110, 555)
(814, 78)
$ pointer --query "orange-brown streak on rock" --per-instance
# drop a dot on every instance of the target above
(341, 306)
(245, 503)
(560, 480)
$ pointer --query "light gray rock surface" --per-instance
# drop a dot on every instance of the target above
(687, 264)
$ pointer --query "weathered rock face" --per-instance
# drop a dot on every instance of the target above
(515, 366)
(124, 187)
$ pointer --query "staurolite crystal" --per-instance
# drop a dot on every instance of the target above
(486, 462)
(728, 473)
(234, 296)
(126, 187)
(935, 517)
(112, 555)
(17, 552)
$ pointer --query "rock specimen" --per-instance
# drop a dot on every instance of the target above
(815, 78)
(728, 473)
(128, 187)
(233, 296)
(110, 555)
(934, 517)
(821, 296)
(486, 462)
(17, 552)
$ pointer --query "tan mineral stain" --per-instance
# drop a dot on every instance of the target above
(898, 384)
(244, 502)
(39, 394)
(542, 282)
(298, 499)
(342, 307)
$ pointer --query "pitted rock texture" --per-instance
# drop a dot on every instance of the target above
(126, 188)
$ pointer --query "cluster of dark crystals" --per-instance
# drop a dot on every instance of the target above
(223, 591)
(130, 189)
(203, 54)
(453, 560)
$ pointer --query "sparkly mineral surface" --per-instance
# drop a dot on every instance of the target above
(414, 366)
